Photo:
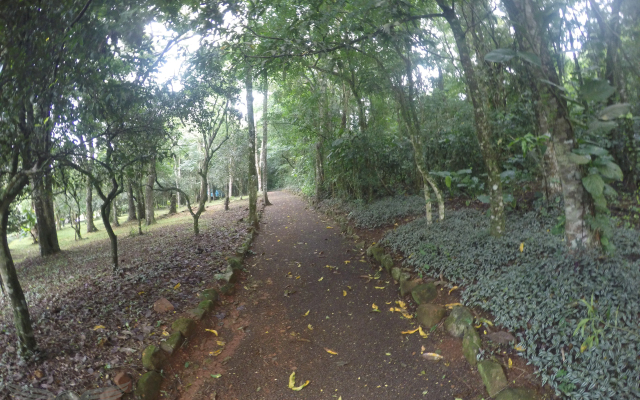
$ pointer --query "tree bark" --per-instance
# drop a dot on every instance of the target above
(113, 239)
(172, 203)
(114, 208)
(263, 154)
(177, 161)
(149, 199)
(89, 213)
(483, 129)
(230, 191)
(251, 136)
(42, 185)
(9, 278)
(131, 203)
(140, 201)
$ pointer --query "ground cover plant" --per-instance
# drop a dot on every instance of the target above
(386, 211)
(91, 321)
(576, 315)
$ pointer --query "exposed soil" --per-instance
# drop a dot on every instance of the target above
(309, 293)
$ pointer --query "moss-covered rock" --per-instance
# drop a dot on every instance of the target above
(395, 273)
(196, 313)
(387, 262)
(375, 252)
(492, 376)
(206, 305)
(516, 394)
(209, 294)
(425, 293)
(186, 326)
(235, 263)
(407, 286)
(471, 345)
(172, 343)
(459, 319)
(359, 245)
(429, 315)
(228, 289)
(153, 358)
(148, 386)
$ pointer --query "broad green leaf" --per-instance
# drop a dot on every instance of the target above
(609, 191)
(590, 149)
(611, 171)
(594, 185)
(579, 158)
(530, 57)
(614, 111)
(596, 90)
(597, 127)
(500, 55)
(553, 84)
(484, 198)
(508, 174)
(447, 181)
(463, 171)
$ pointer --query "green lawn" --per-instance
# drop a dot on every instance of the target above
(23, 248)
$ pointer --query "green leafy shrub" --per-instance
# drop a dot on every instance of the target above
(386, 211)
(536, 293)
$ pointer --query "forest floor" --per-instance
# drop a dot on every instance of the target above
(90, 323)
(307, 304)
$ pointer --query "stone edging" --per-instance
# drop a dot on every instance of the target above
(154, 357)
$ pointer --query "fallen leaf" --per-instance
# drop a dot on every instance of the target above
(140, 293)
(212, 331)
(95, 328)
(292, 382)
(329, 227)
(410, 332)
(176, 286)
(452, 289)
(330, 351)
(344, 293)
(450, 306)
(216, 376)
(310, 327)
(422, 333)
(220, 343)
(347, 261)
(321, 278)
(165, 333)
(401, 304)
(518, 348)
(521, 247)
(379, 287)
(510, 363)
(375, 307)
(432, 356)
(307, 313)
(406, 315)
(216, 353)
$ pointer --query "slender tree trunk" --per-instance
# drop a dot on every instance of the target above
(251, 133)
(258, 158)
(45, 216)
(10, 283)
(131, 203)
(483, 129)
(113, 239)
(140, 200)
(89, 214)
(319, 173)
(229, 192)
(177, 161)
(263, 154)
(114, 208)
(149, 198)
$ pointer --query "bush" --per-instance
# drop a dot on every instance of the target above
(386, 211)
(537, 293)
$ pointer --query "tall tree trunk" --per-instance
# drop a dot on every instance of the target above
(251, 133)
(114, 209)
(230, 191)
(91, 227)
(42, 185)
(172, 203)
(177, 161)
(319, 175)
(9, 278)
(131, 203)
(257, 154)
(576, 203)
(140, 201)
(113, 239)
(149, 198)
(483, 129)
(263, 154)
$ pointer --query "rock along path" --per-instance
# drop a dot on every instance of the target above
(303, 296)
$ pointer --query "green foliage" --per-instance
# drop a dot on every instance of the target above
(386, 211)
(537, 294)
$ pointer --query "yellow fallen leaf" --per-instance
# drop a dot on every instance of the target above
(379, 287)
(432, 356)
(95, 328)
(165, 333)
(410, 332)
(140, 293)
(521, 247)
(176, 286)
(292, 382)
(452, 305)
(321, 278)
(452, 289)
(387, 302)
(347, 261)
(485, 321)
(307, 313)
(298, 277)
(212, 331)
(510, 363)
(583, 348)
(310, 327)
(375, 307)
(406, 315)
(329, 227)
(216, 353)
(518, 348)
(422, 333)
(401, 304)
(220, 342)
(344, 292)
(330, 351)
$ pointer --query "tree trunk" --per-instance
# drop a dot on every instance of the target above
(263, 154)
(256, 146)
(177, 161)
(131, 203)
(45, 216)
(483, 129)
(576, 203)
(149, 199)
(319, 173)
(251, 133)
(113, 239)
(114, 208)
(140, 201)
(229, 192)
(10, 284)
(172, 203)
(89, 214)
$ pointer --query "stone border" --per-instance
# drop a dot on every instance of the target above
(155, 357)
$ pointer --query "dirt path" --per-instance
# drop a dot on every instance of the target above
(303, 264)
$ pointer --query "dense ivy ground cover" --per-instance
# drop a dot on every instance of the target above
(384, 211)
(536, 293)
